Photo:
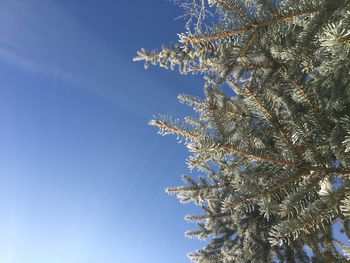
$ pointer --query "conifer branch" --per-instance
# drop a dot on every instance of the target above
(285, 163)
(208, 68)
(260, 157)
(273, 119)
(189, 100)
(222, 35)
(166, 127)
(192, 188)
(291, 207)
(169, 128)
(247, 47)
(306, 96)
(311, 219)
(270, 190)
(249, 91)
(225, 34)
(206, 216)
(300, 88)
(199, 68)
(233, 9)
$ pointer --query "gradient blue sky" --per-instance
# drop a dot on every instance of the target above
(82, 175)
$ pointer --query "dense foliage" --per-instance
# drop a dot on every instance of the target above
(274, 150)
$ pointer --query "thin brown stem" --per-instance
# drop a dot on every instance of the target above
(248, 45)
(162, 125)
(169, 128)
(306, 96)
(192, 40)
(272, 118)
(285, 163)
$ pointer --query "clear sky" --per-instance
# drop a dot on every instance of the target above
(82, 175)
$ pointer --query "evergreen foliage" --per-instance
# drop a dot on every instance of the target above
(274, 154)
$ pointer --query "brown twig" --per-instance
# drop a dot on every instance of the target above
(162, 125)
(192, 40)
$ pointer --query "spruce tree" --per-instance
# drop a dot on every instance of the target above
(271, 139)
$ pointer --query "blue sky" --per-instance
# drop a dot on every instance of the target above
(82, 175)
